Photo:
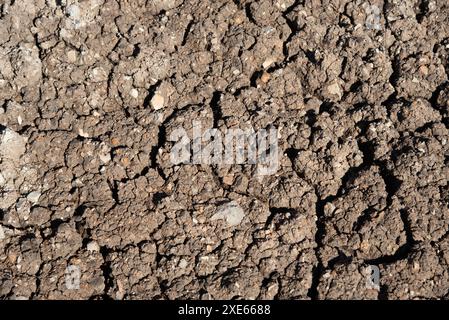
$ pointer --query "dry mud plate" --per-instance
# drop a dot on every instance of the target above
(92, 205)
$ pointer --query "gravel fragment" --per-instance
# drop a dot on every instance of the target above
(231, 212)
(157, 102)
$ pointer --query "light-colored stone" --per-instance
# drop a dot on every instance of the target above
(231, 212)
(265, 77)
(229, 179)
(335, 89)
(74, 12)
(82, 133)
(104, 153)
(71, 56)
(183, 263)
(12, 148)
(12, 145)
(134, 93)
(268, 62)
(34, 196)
(2, 233)
(93, 246)
(105, 157)
(157, 102)
(98, 74)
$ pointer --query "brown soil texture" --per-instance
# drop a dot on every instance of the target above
(91, 89)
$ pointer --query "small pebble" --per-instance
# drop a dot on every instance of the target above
(424, 70)
(71, 56)
(268, 62)
(115, 141)
(12, 145)
(74, 12)
(134, 93)
(265, 77)
(228, 179)
(157, 102)
(335, 89)
(82, 133)
(231, 212)
(2, 233)
(34, 196)
(183, 263)
(105, 158)
(93, 246)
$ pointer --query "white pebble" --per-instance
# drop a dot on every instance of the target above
(2, 233)
(12, 145)
(134, 93)
(157, 102)
(93, 246)
(74, 12)
(183, 263)
(105, 158)
(71, 56)
(231, 212)
(34, 196)
(82, 133)
(335, 89)
(268, 62)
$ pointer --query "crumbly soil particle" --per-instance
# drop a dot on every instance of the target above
(90, 91)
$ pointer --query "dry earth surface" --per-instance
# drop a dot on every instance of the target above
(90, 91)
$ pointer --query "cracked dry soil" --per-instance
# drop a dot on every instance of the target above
(91, 89)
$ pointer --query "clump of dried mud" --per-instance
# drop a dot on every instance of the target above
(91, 89)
